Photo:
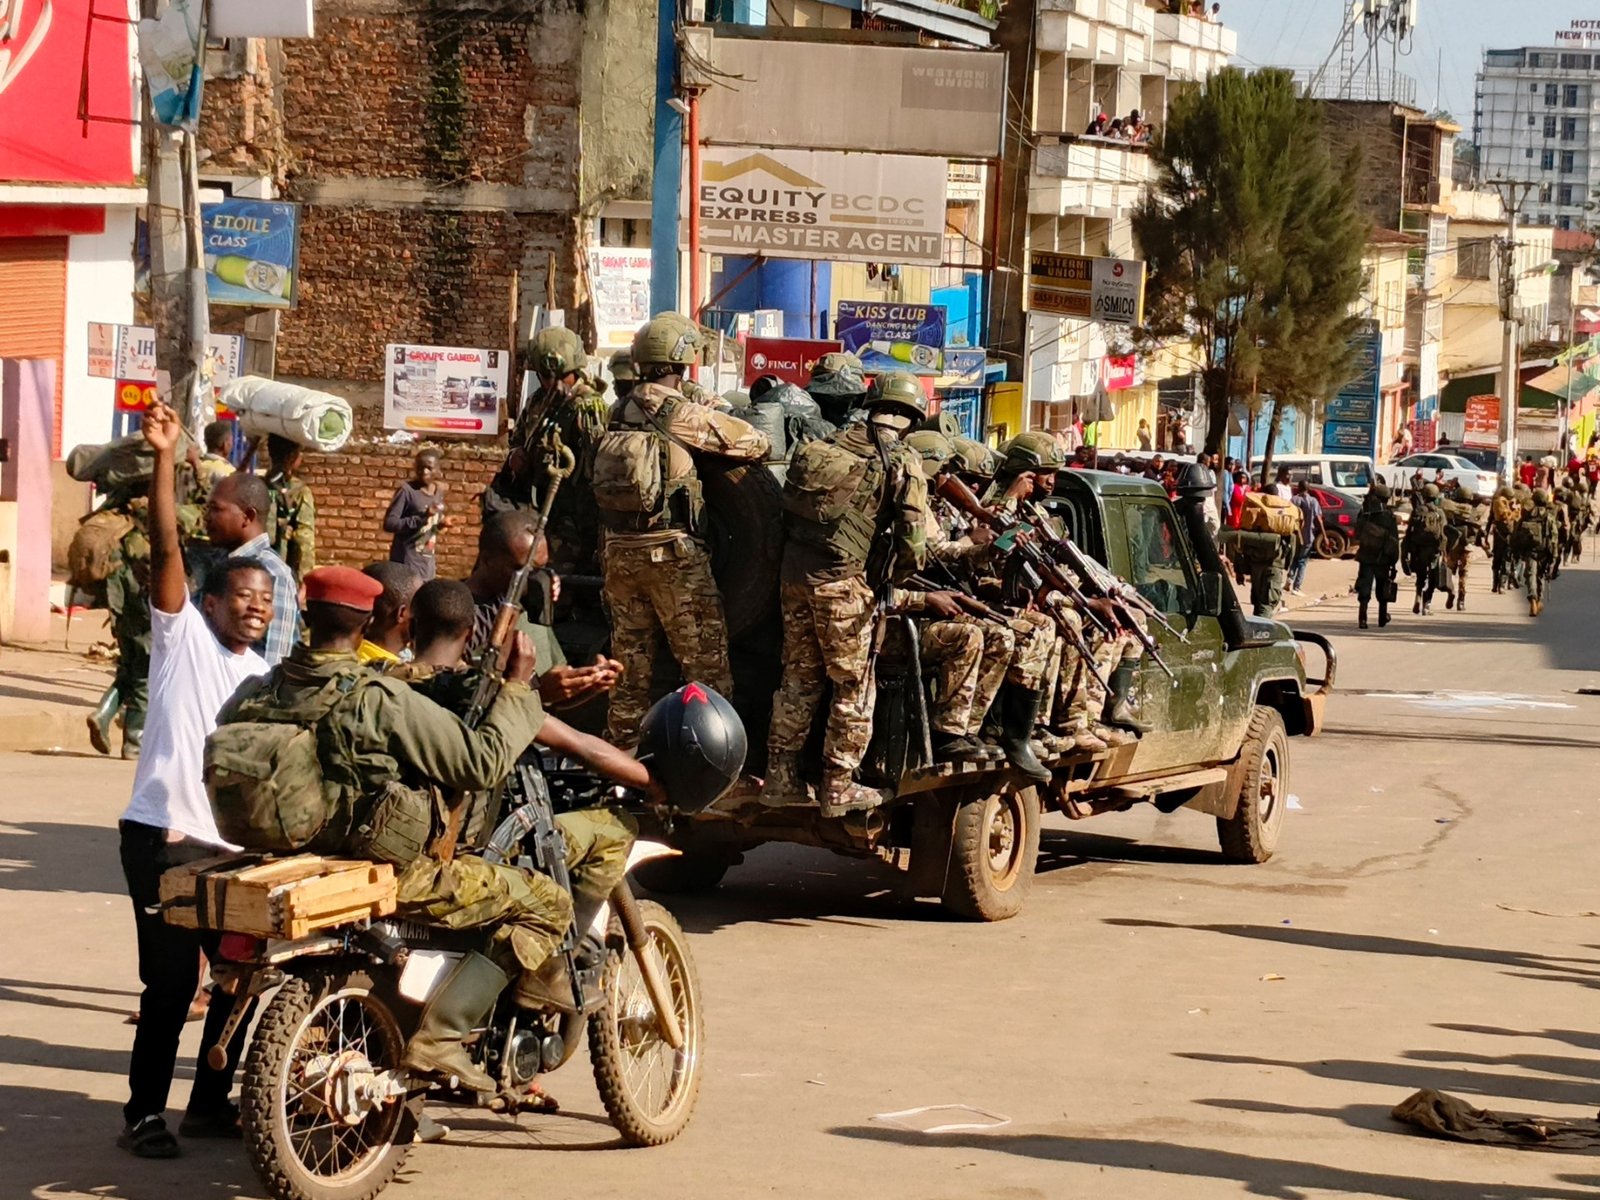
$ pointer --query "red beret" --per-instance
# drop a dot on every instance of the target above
(342, 585)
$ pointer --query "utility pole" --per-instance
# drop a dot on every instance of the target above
(1512, 194)
(178, 309)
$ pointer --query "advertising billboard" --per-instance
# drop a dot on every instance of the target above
(127, 354)
(893, 337)
(821, 204)
(1483, 422)
(1108, 290)
(49, 50)
(790, 359)
(252, 250)
(1350, 417)
(620, 279)
(443, 389)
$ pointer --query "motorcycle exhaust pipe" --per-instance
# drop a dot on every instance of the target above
(638, 937)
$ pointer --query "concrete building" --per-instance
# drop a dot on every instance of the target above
(1535, 119)
(1065, 191)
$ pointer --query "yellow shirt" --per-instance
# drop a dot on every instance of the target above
(371, 652)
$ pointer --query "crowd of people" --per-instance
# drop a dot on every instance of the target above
(1133, 128)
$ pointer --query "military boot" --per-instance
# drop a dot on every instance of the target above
(842, 795)
(1119, 712)
(783, 786)
(1361, 621)
(132, 732)
(955, 747)
(101, 718)
(451, 1014)
(1018, 708)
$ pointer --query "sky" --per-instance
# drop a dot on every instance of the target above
(1448, 47)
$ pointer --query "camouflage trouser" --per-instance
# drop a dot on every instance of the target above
(1266, 587)
(827, 634)
(1109, 652)
(658, 589)
(1457, 561)
(527, 912)
(598, 840)
(1062, 683)
(1502, 556)
(130, 626)
(1036, 649)
(972, 656)
(1536, 570)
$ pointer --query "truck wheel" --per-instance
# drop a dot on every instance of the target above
(994, 845)
(688, 874)
(1333, 544)
(1251, 834)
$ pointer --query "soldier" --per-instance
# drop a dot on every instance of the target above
(1505, 510)
(1575, 496)
(1423, 546)
(386, 726)
(1377, 552)
(213, 464)
(291, 518)
(856, 496)
(568, 410)
(623, 376)
(1536, 542)
(647, 493)
(839, 386)
(1463, 528)
(127, 599)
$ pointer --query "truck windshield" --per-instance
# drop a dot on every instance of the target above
(1158, 560)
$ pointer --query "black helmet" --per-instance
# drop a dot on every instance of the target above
(694, 744)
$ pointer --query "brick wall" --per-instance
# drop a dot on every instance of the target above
(353, 489)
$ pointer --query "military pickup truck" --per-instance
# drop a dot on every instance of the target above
(968, 834)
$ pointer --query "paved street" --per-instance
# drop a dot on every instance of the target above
(1430, 914)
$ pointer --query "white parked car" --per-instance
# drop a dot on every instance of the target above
(1474, 478)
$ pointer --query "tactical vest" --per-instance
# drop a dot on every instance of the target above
(634, 482)
(832, 494)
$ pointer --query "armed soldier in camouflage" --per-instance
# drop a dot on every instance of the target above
(1464, 528)
(1422, 548)
(568, 410)
(857, 496)
(291, 518)
(1505, 510)
(1537, 543)
(646, 490)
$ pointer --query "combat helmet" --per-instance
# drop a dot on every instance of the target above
(898, 392)
(1430, 492)
(838, 374)
(666, 340)
(557, 351)
(1034, 450)
(622, 368)
(974, 457)
(1541, 497)
(934, 447)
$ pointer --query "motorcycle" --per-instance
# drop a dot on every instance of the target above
(327, 1111)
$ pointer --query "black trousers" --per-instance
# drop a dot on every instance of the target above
(169, 969)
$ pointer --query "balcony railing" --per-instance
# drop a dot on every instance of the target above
(1098, 160)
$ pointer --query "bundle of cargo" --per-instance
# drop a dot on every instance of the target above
(276, 897)
(315, 420)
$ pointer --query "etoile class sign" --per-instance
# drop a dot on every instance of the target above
(1582, 31)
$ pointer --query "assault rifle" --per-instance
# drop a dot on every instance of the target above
(1050, 573)
(559, 466)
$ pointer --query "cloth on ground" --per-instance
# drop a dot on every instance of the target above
(1449, 1116)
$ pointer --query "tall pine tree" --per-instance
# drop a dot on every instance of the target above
(1253, 241)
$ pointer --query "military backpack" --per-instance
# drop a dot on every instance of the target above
(831, 494)
(1267, 512)
(96, 547)
(633, 483)
(286, 777)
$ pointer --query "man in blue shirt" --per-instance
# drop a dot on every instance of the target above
(1311, 529)
(234, 523)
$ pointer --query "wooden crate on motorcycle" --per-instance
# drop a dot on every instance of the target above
(279, 897)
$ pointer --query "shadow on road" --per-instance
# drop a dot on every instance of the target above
(43, 856)
(26, 991)
(1284, 1178)
(1573, 1037)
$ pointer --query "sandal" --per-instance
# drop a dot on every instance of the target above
(149, 1138)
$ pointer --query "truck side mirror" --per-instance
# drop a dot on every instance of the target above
(1211, 585)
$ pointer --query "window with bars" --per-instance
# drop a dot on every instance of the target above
(1474, 257)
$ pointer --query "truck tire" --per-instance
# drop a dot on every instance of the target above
(994, 846)
(1251, 834)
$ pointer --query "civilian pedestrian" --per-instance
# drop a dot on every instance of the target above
(389, 632)
(235, 523)
(1241, 486)
(416, 515)
(199, 656)
(1282, 487)
(1146, 442)
(1311, 528)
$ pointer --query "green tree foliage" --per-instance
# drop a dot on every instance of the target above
(1254, 241)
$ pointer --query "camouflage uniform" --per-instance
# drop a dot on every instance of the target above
(128, 600)
(578, 418)
(291, 523)
(1505, 510)
(529, 913)
(1463, 529)
(829, 616)
(1536, 544)
(657, 573)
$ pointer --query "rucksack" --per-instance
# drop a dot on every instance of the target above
(1530, 535)
(96, 548)
(632, 479)
(1267, 512)
(1372, 538)
(287, 777)
(830, 494)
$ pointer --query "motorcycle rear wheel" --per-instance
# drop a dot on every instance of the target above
(298, 1146)
(647, 1087)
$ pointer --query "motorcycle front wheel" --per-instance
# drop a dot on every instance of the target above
(648, 1088)
(317, 1125)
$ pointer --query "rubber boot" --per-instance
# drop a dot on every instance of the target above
(1018, 707)
(783, 786)
(551, 985)
(132, 733)
(1119, 711)
(1361, 621)
(451, 1014)
(955, 747)
(101, 718)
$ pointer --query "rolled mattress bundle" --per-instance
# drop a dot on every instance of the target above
(315, 420)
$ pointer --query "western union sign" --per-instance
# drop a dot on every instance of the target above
(1084, 288)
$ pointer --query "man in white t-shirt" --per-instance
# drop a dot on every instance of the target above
(198, 656)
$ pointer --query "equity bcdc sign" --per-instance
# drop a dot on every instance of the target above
(821, 204)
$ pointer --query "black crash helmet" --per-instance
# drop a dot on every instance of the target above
(694, 744)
